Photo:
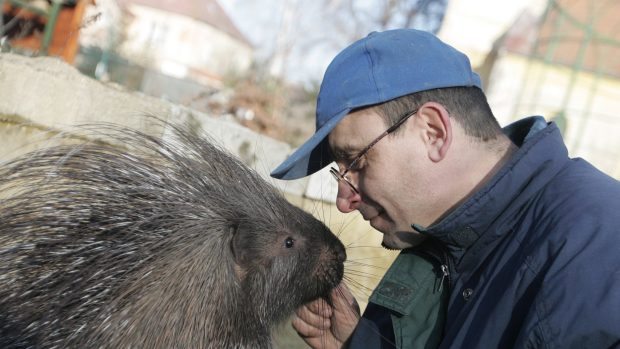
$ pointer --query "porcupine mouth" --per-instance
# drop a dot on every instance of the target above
(332, 275)
(327, 277)
(331, 272)
(325, 286)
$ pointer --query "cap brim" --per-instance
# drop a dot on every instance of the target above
(311, 156)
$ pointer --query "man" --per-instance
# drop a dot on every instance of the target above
(507, 242)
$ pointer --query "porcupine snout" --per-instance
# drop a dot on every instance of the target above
(331, 266)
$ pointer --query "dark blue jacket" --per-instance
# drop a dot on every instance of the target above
(534, 256)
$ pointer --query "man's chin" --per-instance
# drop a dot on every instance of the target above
(389, 247)
(401, 240)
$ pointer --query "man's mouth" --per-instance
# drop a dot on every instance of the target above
(375, 218)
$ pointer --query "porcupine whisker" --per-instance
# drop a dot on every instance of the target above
(367, 262)
(362, 273)
(357, 286)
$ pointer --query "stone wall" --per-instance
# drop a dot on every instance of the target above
(42, 100)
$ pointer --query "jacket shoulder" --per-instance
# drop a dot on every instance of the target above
(574, 237)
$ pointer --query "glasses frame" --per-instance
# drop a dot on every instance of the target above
(343, 176)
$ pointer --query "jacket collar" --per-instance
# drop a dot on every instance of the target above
(541, 154)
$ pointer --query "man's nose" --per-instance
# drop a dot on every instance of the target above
(347, 199)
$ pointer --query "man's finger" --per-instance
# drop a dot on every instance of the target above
(319, 320)
(344, 301)
(308, 330)
(320, 307)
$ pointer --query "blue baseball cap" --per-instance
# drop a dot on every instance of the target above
(378, 68)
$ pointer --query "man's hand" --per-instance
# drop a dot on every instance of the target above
(323, 326)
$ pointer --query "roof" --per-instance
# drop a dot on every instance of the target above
(208, 11)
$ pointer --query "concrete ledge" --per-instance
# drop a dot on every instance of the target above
(51, 97)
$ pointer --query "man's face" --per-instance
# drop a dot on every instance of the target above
(390, 178)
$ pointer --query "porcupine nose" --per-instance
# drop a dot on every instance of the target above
(339, 256)
(336, 248)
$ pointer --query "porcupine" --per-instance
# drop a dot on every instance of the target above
(155, 244)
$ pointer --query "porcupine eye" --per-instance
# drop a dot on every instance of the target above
(289, 242)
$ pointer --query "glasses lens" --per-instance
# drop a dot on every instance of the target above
(335, 174)
(338, 176)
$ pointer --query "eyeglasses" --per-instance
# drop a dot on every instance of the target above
(343, 176)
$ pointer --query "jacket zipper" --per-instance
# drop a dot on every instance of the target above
(446, 269)
(445, 276)
(445, 263)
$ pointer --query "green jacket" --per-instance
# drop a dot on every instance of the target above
(414, 292)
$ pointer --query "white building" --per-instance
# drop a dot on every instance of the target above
(189, 39)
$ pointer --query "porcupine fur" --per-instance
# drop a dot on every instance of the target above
(154, 244)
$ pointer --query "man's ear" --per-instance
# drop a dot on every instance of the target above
(437, 129)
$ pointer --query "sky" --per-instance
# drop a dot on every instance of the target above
(261, 21)
(310, 32)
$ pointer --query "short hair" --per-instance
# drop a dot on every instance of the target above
(466, 105)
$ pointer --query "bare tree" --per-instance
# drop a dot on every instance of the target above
(304, 27)
(354, 19)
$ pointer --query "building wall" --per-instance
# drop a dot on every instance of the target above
(521, 86)
(518, 86)
(182, 47)
(472, 26)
